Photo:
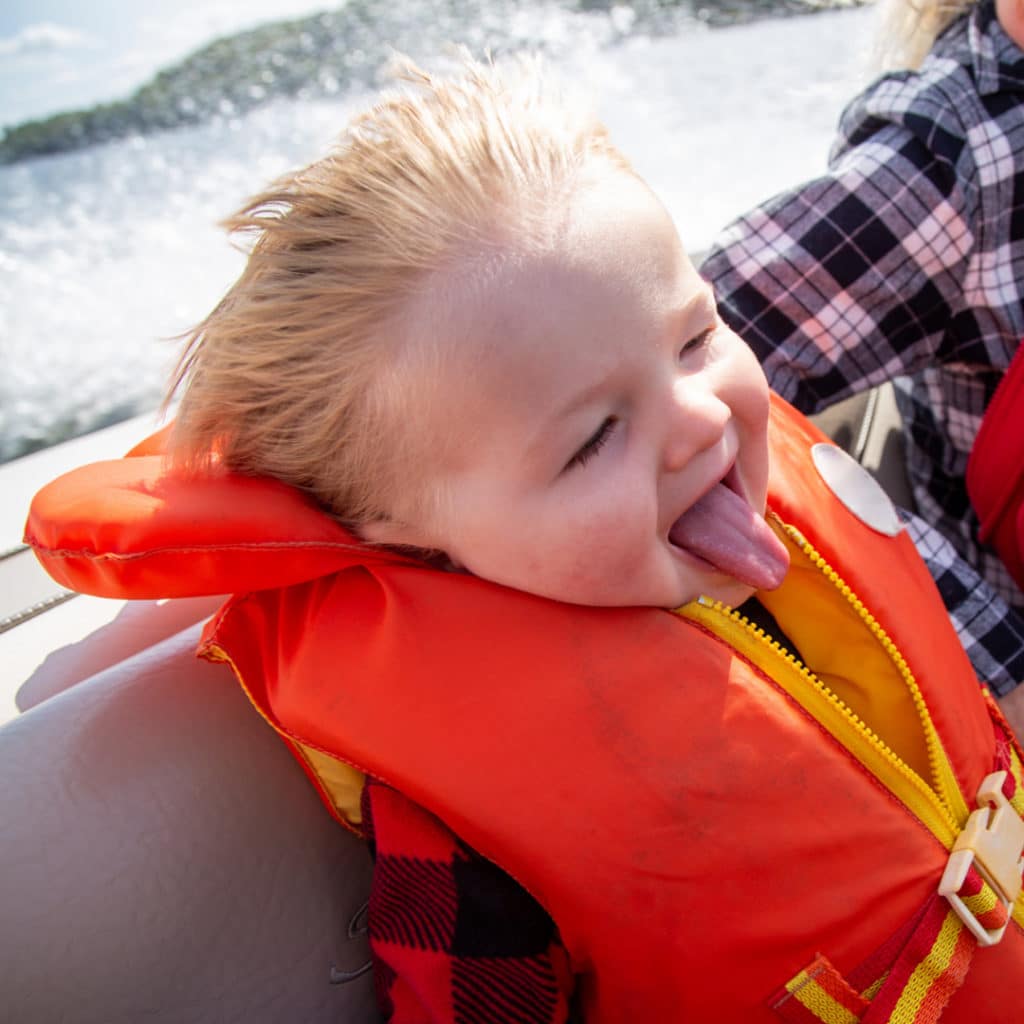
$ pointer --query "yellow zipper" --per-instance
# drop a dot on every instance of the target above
(940, 807)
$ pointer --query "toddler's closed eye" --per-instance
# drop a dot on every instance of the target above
(698, 341)
(592, 446)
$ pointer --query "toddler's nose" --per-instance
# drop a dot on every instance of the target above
(697, 419)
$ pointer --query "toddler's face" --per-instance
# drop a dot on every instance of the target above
(606, 434)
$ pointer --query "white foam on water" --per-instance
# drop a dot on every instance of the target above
(107, 252)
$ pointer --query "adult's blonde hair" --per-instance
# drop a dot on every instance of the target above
(289, 375)
(908, 28)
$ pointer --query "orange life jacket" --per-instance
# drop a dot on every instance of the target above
(995, 470)
(719, 834)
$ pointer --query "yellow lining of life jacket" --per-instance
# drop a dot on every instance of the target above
(342, 783)
(902, 761)
(838, 640)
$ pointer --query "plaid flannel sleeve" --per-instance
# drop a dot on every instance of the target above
(990, 631)
(454, 938)
(854, 277)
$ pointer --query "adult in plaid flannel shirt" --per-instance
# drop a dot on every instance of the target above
(906, 261)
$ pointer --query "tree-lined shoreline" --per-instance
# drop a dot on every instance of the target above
(323, 54)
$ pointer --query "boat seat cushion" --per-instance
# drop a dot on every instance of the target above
(164, 859)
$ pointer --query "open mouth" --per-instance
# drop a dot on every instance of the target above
(724, 531)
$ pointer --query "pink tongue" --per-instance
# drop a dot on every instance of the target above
(725, 531)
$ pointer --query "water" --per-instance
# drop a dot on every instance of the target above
(108, 252)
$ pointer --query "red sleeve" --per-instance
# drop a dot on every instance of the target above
(452, 936)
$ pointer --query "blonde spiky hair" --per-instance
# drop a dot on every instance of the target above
(288, 376)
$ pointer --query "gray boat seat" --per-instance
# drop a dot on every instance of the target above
(163, 858)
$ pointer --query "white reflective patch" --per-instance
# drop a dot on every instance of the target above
(856, 488)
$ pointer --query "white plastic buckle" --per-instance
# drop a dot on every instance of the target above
(993, 841)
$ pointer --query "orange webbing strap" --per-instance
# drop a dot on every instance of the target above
(916, 973)
(819, 993)
(930, 969)
(915, 990)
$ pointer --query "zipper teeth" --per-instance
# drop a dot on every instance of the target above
(817, 683)
(936, 758)
(847, 713)
(941, 798)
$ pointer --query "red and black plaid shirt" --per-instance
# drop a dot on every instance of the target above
(453, 937)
